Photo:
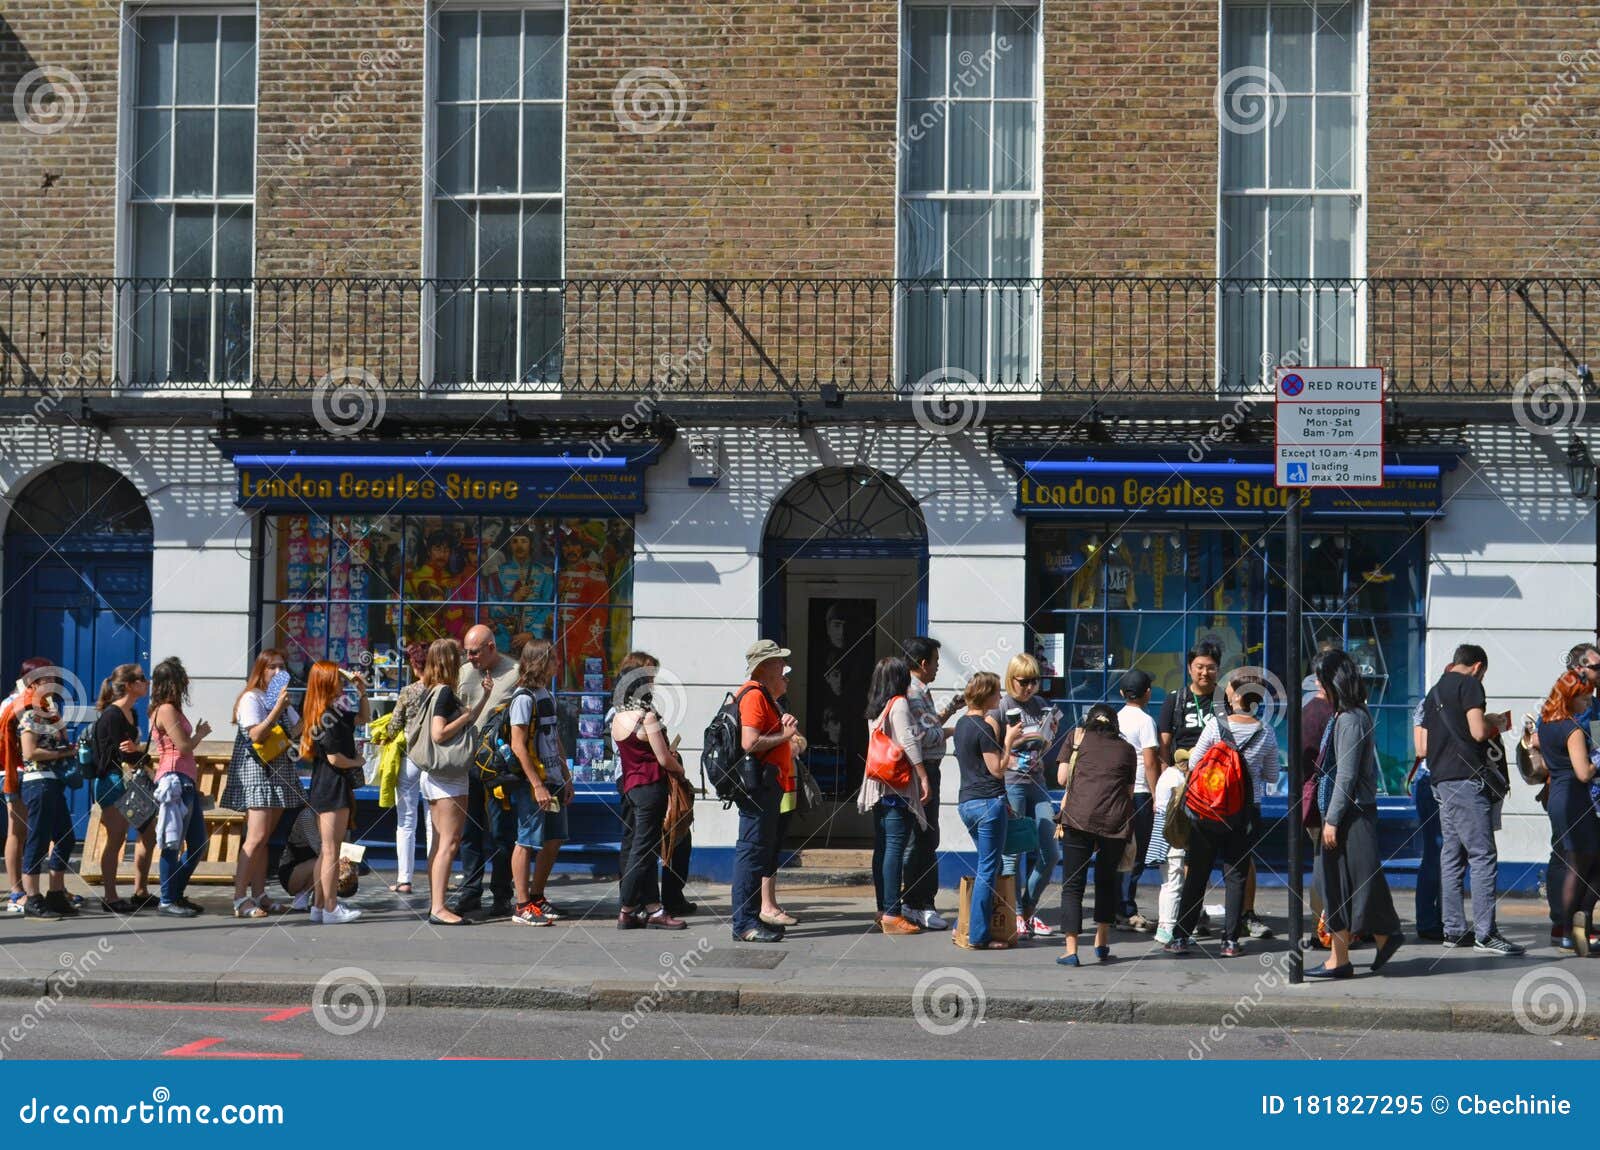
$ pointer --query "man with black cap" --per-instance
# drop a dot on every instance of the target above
(1139, 730)
(767, 734)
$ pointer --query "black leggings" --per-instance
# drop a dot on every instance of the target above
(1580, 886)
(1077, 848)
(1209, 841)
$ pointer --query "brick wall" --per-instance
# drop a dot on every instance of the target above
(781, 162)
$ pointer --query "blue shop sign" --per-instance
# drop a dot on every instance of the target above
(1064, 485)
(445, 480)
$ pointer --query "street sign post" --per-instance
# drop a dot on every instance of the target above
(1329, 434)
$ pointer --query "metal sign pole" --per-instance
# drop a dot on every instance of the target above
(1292, 576)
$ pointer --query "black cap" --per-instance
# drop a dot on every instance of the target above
(1135, 683)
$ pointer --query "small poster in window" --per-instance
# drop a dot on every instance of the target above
(594, 705)
(594, 666)
(591, 727)
(596, 682)
(591, 751)
(1051, 651)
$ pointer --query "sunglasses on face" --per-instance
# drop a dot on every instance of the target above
(1027, 682)
(1590, 667)
(472, 652)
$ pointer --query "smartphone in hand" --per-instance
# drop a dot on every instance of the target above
(276, 687)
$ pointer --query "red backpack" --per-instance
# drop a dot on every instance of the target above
(1219, 786)
(11, 739)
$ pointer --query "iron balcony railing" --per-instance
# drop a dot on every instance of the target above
(786, 338)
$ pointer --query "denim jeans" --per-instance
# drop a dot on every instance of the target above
(985, 820)
(1466, 823)
(1034, 869)
(1144, 824)
(1429, 919)
(178, 864)
(755, 851)
(892, 824)
(491, 830)
(49, 826)
(922, 864)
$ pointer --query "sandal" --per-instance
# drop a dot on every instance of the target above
(268, 905)
(400, 887)
(247, 908)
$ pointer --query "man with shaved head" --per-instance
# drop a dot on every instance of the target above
(491, 829)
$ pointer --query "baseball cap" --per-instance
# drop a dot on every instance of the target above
(762, 650)
(1135, 683)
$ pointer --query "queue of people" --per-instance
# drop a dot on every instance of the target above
(1180, 791)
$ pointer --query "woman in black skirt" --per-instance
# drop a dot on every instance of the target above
(329, 741)
(1349, 867)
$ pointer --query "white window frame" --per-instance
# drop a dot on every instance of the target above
(1358, 189)
(1026, 389)
(122, 226)
(430, 150)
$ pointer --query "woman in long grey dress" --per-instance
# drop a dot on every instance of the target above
(1349, 866)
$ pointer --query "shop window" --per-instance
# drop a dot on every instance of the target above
(355, 589)
(1104, 599)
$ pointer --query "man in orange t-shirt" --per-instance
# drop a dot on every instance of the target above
(768, 735)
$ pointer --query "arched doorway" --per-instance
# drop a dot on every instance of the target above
(77, 574)
(845, 561)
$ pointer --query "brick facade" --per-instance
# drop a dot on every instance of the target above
(782, 161)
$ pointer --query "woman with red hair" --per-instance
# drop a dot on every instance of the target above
(329, 741)
(1574, 826)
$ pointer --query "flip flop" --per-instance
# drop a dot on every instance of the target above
(400, 887)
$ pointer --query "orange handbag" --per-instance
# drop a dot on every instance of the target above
(886, 759)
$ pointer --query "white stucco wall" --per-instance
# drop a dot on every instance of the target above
(200, 588)
(1511, 568)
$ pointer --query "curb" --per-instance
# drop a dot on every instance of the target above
(765, 999)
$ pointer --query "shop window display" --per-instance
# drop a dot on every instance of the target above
(358, 589)
(1104, 599)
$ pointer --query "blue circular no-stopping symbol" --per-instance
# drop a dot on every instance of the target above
(1292, 384)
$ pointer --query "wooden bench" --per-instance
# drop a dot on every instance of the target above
(224, 832)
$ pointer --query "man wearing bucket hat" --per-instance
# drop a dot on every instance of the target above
(767, 735)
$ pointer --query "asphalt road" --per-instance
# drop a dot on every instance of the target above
(167, 1031)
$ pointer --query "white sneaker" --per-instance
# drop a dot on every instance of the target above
(1040, 928)
(302, 901)
(931, 919)
(1022, 927)
(17, 904)
(316, 914)
(339, 914)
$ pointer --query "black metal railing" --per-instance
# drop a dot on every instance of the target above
(785, 338)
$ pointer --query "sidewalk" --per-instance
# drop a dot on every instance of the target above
(833, 964)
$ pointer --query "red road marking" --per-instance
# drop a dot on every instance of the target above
(202, 1048)
(274, 1014)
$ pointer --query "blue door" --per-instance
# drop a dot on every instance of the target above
(77, 584)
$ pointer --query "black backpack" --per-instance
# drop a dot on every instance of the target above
(728, 769)
(492, 759)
